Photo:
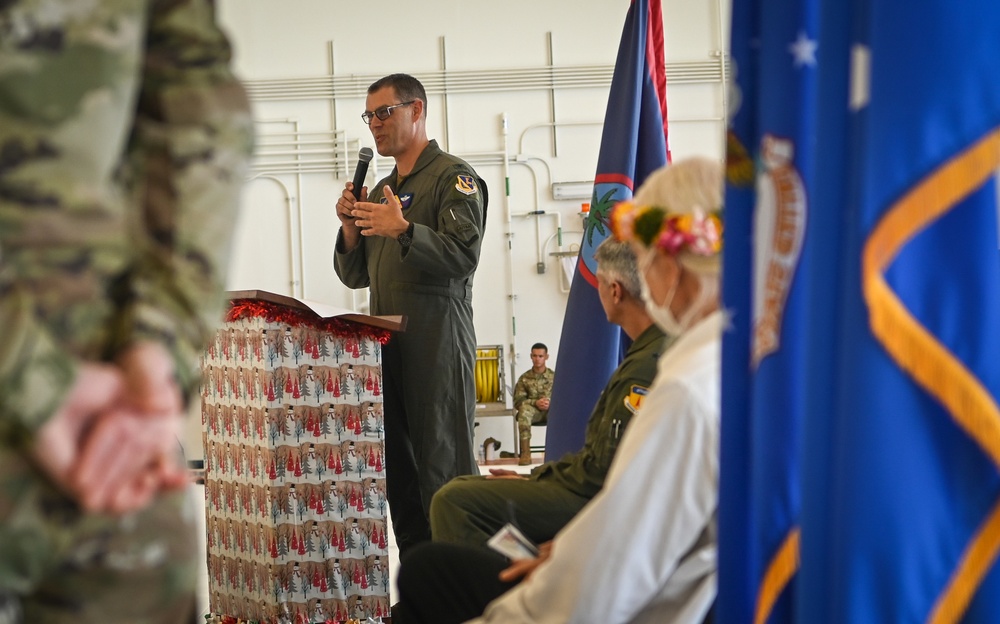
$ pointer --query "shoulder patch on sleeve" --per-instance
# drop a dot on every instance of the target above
(466, 184)
(635, 396)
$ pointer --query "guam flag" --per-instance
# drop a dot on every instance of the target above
(887, 507)
(633, 145)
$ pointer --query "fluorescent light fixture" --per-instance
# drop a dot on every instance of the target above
(572, 190)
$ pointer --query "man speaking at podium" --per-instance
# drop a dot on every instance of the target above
(415, 240)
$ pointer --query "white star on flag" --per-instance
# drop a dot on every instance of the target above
(803, 50)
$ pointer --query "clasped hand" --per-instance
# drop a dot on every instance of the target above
(113, 443)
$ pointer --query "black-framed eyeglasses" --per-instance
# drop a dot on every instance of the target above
(382, 112)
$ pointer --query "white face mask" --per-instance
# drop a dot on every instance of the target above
(663, 316)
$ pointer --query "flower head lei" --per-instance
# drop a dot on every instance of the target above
(698, 232)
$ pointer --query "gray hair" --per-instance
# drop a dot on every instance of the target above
(617, 261)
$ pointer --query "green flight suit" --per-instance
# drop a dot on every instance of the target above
(469, 510)
(429, 390)
(124, 141)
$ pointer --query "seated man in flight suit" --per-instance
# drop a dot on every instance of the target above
(470, 509)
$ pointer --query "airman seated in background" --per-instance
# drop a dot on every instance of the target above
(531, 399)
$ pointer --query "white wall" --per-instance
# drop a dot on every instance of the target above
(301, 40)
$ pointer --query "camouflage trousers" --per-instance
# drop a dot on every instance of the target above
(61, 566)
(528, 415)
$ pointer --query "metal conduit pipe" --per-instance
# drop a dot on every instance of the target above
(437, 82)
(559, 254)
(295, 230)
(524, 159)
(291, 226)
(478, 80)
(511, 297)
(269, 156)
(319, 166)
(556, 124)
(559, 238)
(266, 143)
(723, 60)
(551, 61)
(356, 85)
(335, 134)
(342, 159)
(291, 152)
(265, 169)
(534, 179)
(332, 70)
(298, 214)
(538, 214)
(335, 166)
(289, 157)
(489, 158)
(445, 143)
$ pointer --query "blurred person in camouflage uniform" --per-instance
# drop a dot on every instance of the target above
(123, 143)
(531, 399)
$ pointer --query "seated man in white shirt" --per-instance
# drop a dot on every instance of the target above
(644, 549)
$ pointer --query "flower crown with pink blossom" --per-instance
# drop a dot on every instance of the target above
(698, 232)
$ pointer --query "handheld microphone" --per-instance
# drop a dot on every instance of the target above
(364, 157)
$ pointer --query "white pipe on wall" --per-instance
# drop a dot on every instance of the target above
(552, 95)
(296, 244)
(553, 125)
(538, 214)
(559, 255)
(511, 297)
(723, 69)
(298, 213)
(444, 98)
(291, 226)
(295, 164)
(483, 80)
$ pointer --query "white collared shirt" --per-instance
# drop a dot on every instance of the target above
(644, 549)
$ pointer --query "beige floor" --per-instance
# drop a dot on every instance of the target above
(199, 494)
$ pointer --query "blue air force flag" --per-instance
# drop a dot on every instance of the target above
(885, 481)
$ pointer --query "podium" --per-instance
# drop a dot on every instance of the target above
(295, 462)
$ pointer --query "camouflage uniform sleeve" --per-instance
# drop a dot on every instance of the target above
(74, 283)
(63, 125)
(550, 377)
(186, 164)
(520, 392)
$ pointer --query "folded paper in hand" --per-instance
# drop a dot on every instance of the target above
(511, 543)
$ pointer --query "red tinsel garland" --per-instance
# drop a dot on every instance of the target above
(272, 312)
(228, 619)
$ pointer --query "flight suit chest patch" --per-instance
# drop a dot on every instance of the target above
(404, 200)
(634, 398)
